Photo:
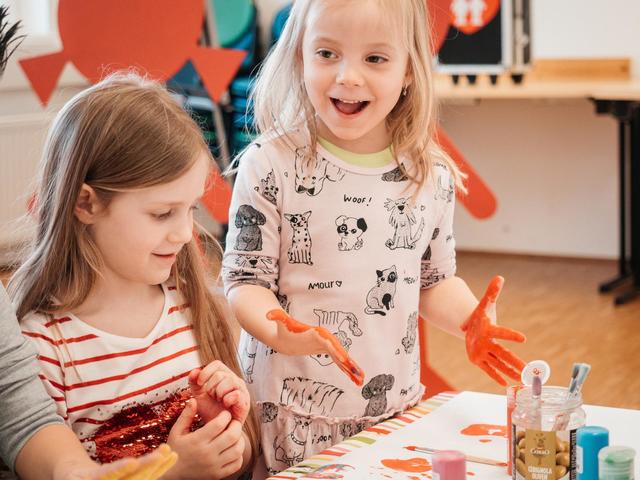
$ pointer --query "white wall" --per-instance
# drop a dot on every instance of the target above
(552, 165)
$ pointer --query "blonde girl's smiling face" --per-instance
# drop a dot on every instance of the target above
(140, 232)
(355, 67)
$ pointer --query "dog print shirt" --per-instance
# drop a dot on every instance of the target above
(345, 247)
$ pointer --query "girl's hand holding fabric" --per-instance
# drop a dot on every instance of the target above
(481, 334)
(302, 339)
(217, 388)
(211, 452)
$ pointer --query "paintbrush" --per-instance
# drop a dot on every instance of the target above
(578, 377)
(536, 393)
(469, 458)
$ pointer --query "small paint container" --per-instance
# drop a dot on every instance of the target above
(449, 465)
(589, 441)
(616, 463)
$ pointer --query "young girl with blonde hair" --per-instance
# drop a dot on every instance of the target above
(134, 346)
(342, 217)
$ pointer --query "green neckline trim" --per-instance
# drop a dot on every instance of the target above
(369, 160)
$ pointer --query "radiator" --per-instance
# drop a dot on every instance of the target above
(21, 142)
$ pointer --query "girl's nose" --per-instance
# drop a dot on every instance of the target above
(182, 231)
(349, 75)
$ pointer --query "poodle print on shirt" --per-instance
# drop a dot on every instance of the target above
(248, 220)
(350, 230)
(335, 321)
(311, 175)
(268, 188)
(376, 392)
(380, 297)
(401, 219)
(300, 249)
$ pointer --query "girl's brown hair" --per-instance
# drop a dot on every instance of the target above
(123, 133)
(281, 103)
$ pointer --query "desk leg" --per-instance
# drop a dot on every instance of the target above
(634, 200)
(622, 114)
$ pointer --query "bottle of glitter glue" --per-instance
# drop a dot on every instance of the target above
(449, 465)
(589, 440)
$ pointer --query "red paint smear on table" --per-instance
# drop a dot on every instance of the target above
(471, 474)
(411, 465)
(478, 429)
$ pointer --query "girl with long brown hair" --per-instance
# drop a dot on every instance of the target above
(134, 345)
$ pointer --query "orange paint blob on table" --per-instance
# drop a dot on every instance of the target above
(410, 465)
(485, 440)
(478, 429)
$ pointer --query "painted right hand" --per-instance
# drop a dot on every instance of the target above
(298, 338)
(212, 452)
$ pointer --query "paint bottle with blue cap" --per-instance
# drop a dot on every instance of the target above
(590, 440)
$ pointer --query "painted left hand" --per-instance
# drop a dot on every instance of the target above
(216, 387)
(481, 334)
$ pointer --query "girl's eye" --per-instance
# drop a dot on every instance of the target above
(325, 54)
(376, 59)
(162, 216)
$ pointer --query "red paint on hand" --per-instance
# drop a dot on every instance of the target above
(481, 335)
(330, 343)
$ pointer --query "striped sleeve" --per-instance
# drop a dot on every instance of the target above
(43, 334)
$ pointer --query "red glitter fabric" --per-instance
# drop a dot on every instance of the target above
(138, 429)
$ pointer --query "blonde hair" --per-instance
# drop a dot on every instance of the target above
(123, 133)
(281, 103)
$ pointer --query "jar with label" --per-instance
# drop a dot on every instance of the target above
(543, 439)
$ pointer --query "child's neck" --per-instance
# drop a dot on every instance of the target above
(365, 144)
(124, 309)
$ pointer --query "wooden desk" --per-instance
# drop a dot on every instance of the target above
(620, 99)
(430, 420)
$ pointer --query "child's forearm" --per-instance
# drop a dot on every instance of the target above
(448, 304)
(250, 304)
(52, 453)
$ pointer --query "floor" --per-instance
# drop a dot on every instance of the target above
(556, 303)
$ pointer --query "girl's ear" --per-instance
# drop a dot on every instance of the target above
(88, 205)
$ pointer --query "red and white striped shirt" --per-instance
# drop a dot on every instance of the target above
(120, 395)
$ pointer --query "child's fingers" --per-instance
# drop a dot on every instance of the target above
(499, 364)
(216, 379)
(213, 428)
(223, 387)
(210, 370)
(184, 421)
(491, 294)
(492, 373)
(506, 333)
(508, 357)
